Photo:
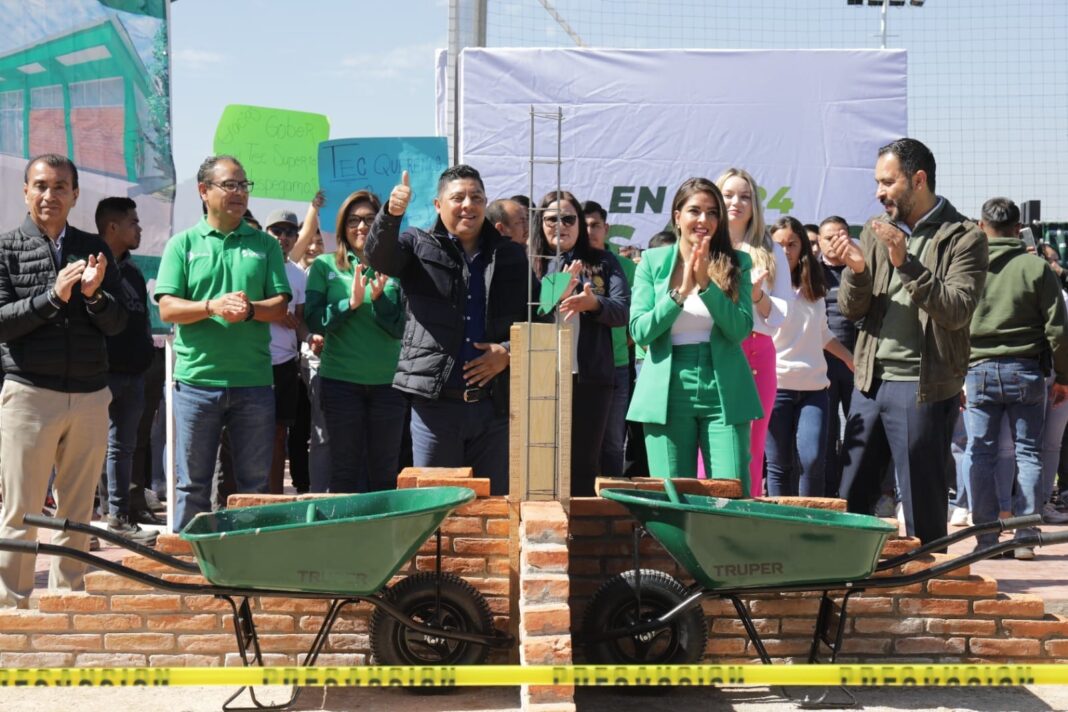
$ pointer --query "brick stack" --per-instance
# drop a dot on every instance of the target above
(119, 622)
(959, 617)
(544, 618)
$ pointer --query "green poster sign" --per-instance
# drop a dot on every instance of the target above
(279, 148)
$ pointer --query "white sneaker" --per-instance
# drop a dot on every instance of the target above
(1051, 515)
(961, 517)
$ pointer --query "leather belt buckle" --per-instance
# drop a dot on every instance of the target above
(472, 395)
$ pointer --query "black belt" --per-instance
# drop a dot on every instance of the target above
(466, 395)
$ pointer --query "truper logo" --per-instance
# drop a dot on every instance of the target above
(762, 568)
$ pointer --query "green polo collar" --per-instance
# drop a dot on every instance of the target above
(243, 229)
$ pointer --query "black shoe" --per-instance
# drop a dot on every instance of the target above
(121, 525)
(144, 516)
(153, 501)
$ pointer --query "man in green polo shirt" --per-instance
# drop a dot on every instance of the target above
(220, 282)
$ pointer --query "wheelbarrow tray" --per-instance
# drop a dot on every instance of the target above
(349, 545)
(727, 543)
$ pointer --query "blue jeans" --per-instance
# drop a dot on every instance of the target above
(614, 444)
(200, 412)
(1012, 388)
(364, 425)
(124, 415)
(456, 434)
(798, 424)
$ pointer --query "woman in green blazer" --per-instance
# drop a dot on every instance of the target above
(691, 309)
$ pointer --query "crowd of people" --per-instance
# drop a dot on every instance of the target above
(795, 358)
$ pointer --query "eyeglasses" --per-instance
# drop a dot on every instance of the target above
(283, 231)
(357, 220)
(233, 186)
(565, 219)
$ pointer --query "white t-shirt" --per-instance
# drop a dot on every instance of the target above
(781, 293)
(799, 343)
(693, 325)
(285, 345)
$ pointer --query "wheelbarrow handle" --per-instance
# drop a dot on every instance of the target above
(1028, 520)
(36, 520)
(1047, 538)
(19, 546)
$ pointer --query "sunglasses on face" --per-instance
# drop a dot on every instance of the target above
(568, 220)
(357, 220)
(283, 231)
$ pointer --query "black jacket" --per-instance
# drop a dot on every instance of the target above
(131, 351)
(596, 360)
(60, 349)
(433, 276)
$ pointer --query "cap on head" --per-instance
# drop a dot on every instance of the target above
(281, 216)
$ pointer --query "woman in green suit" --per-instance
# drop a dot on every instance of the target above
(691, 309)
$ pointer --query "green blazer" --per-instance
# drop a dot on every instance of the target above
(652, 312)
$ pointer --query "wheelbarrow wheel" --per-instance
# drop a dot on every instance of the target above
(460, 608)
(615, 606)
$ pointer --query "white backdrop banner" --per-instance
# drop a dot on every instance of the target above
(636, 123)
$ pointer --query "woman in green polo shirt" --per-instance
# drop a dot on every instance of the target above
(361, 315)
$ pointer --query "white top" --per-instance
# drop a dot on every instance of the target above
(285, 346)
(782, 293)
(693, 324)
(799, 344)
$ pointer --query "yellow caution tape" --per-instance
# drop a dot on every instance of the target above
(582, 675)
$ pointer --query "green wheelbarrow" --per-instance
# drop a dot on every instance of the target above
(733, 548)
(343, 549)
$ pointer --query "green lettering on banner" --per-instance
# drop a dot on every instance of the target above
(278, 147)
(621, 197)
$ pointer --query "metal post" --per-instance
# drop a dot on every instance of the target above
(882, 21)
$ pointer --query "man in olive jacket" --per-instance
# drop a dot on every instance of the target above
(915, 280)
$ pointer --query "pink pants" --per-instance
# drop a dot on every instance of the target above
(760, 352)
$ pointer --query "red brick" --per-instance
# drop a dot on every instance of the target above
(104, 582)
(547, 650)
(499, 605)
(784, 607)
(106, 622)
(602, 548)
(1005, 647)
(589, 527)
(139, 642)
(16, 619)
(596, 507)
(893, 626)
(71, 602)
(488, 507)
(185, 660)
(254, 500)
(585, 566)
(480, 485)
(499, 528)
(973, 586)
(725, 646)
(293, 605)
(481, 547)
(932, 607)
(185, 622)
(829, 503)
(896, 546)
(13, 641)
(717, 607)
(269, 659)
(543, 532)
(1052, 625)
(147, 565)
(499, 567)
(462, 525)
(210, 603)
(913, 589)
(110, 660)
(924, 645)
(173, 544)
(546, 588)
(797, 626)
(490, 587)
(163, 603)
(195, 579)
(35, 660)
(430, 546)
(72, 642)
(545, 620)
(265, 623)
(446, 472)
(460, 565)
(733, 626)
(543, 559)
(621, 527)
(942, 626)
(853, 645)
(95, 130)
(286, 643)
(344, 624)
(539, 695)
(786, 646)
(349, 642)
(1014, 605)
(870, 604)
(928, 560)
(211, 643)
(1057, 648)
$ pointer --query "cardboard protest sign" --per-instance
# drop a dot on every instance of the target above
(278, 148)
(375, 164)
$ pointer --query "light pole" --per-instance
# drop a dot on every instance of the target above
(884, 6)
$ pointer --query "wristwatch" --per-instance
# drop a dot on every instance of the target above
(676, 296)
(251, 312)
